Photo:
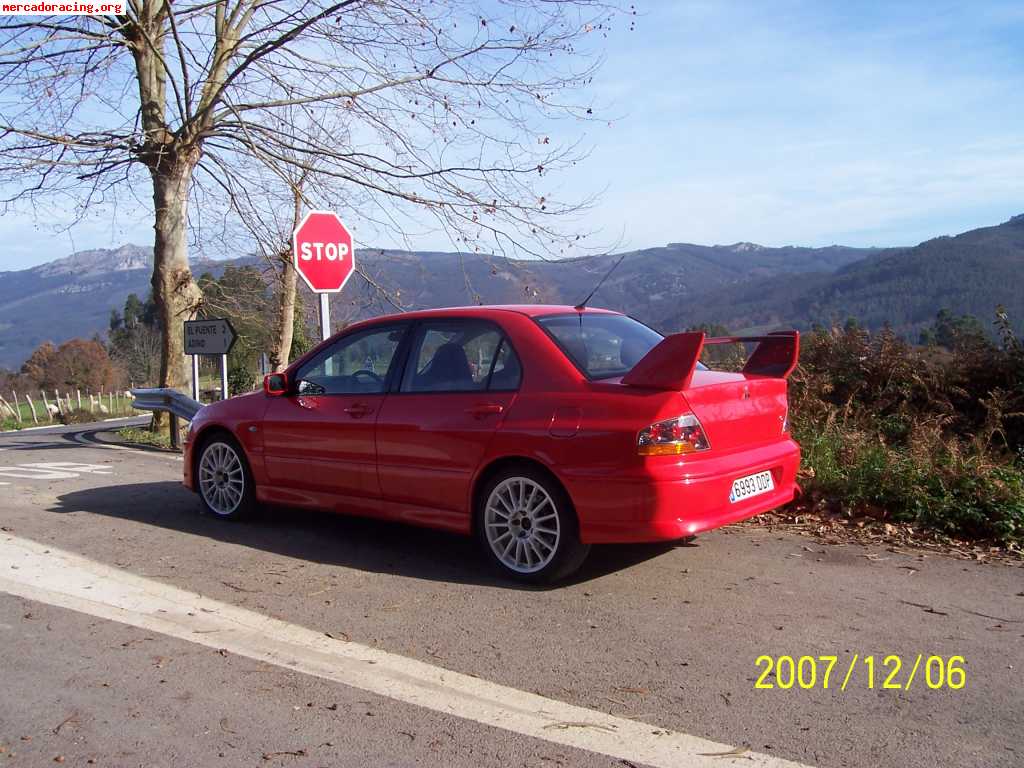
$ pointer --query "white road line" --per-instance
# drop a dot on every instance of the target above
(58, 426)
(47, 575)
(28, 429)
(78, 437)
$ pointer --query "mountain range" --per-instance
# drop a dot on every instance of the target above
(743, 286)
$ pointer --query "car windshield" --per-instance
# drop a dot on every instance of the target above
(602, 346)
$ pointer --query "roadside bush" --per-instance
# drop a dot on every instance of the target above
(241, 380)
(78, 416)
(922, 435)
(956, 490)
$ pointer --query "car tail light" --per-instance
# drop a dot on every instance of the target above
(683, 434)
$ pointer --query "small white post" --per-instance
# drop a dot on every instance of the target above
(224, 377)
(32, 407)
(325, 316)
(79, 393)
(46, 405)
(110, 396)
(92, 403)
(195, 377)
(17, 408)
(56, 396)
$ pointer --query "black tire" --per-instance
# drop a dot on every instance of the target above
(562, 553)
(216, 496)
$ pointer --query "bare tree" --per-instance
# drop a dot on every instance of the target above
(267, 211)
(445, 108)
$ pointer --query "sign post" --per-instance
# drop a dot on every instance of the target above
(195, 377)
(209, 337)
(323, 255)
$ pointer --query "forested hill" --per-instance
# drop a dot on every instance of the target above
(741, 286)
(968, 274)
(74, 296)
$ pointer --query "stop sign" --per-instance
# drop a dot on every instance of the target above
(322, 251)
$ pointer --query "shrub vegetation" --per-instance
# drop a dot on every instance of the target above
(932, 435)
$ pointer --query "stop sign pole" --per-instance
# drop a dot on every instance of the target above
(325, 316)
(323, 255)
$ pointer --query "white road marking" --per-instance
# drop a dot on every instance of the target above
(53, 470)
(47, 575)
(29, 429)
(25, 472)
(78, 437)
(58, 426)
(73, 466)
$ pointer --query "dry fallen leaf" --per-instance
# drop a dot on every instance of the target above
(737, 752)
(295, 753)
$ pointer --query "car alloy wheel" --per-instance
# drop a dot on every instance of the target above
(522, 525)
(222, 480)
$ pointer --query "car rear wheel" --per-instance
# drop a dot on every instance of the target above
(225, 483)
(527, 527)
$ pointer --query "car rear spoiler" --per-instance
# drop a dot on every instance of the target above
(670, 365)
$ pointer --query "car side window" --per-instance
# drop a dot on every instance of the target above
(356, 364)
(456, 356)
(507, 371)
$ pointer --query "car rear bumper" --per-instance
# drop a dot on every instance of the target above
(670, 500)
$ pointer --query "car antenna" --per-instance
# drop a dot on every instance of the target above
(583, 304)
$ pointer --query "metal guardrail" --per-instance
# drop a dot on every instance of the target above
(165, 399)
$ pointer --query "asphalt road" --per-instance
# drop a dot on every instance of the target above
(665, 636)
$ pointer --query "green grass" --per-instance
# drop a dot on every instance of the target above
(956, 490)
(122, 407)
(142, 436)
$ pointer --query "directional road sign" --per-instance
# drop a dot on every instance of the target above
(209, 337)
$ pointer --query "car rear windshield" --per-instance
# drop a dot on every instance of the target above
(602, 346)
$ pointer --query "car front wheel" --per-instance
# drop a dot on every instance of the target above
(527, 527)
(225, 483)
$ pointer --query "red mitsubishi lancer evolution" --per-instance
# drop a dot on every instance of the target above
(540, 430)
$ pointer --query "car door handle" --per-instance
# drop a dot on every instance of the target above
(358, 410)
(485, 409)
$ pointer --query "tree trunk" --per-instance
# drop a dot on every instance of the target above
(176, 294)
(285, 329)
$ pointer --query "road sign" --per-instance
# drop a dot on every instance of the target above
(209, 337)
(322, 250)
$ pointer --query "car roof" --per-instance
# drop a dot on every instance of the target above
(488, 310)
(482, 311)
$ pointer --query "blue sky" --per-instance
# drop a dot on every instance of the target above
(805, 123)
(815, 122)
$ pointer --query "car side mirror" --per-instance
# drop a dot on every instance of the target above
(275, 384)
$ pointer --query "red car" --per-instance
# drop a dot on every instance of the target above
(539, 429)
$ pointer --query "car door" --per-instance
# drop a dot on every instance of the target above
(318, 440)
(460, 379)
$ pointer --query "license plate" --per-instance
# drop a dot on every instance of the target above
(751, 485)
